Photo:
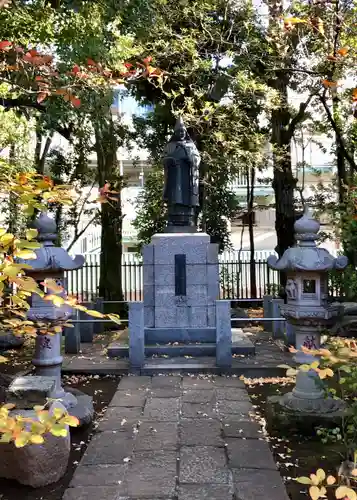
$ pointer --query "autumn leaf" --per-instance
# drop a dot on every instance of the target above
(314, 492)
(344, 492)
(95, 314)
(330, 480)
(303, 480)
(329, 84)
(294, 20)
(25, 254)
(343, 51)
(5, 45)
(31, 234)
(75, 101)
(36, 439)
(320, 473)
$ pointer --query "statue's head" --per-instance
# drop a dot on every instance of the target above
(180, 131)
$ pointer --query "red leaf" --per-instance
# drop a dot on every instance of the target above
(90, 62)
(75, 102)
(128, 65)
(5, 45)
(39, 79)
(75, 69)
(147, 60)
(34, 52)
(41, 96)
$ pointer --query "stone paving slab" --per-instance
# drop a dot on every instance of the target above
(199, 444)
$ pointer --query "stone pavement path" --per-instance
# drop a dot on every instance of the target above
(178, 438)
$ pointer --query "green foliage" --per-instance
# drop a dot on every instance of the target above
(151, 210)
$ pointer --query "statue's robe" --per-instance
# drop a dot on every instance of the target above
(181, 166)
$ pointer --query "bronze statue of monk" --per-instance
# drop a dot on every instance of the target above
(181, 190)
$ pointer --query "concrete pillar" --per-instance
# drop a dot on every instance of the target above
(277, 326)
(223, 334)
(86, 329)
(136, 335)
(72, 338)
(267, 312)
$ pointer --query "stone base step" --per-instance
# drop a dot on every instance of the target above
(182, 335)
(155, 366)
(119, 351)
(240, 345)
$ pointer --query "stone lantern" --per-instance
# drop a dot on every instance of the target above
(307, 309)
(51, 263)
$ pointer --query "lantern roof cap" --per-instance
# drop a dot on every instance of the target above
(50, 257)
(305, 255)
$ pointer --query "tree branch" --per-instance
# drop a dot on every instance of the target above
(299, 115)
(78, 235)
(330, 118)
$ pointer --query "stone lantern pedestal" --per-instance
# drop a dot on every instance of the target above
(51, 262)
(308, 311)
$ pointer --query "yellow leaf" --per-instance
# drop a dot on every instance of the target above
(6, 239)
(58, 413)
(323, 491)
(314, 479)
(320, 473)
(25, 254)
(351, 494)
(22, 439)
(96, 314)
(3, 359)
(38, 408)
(36, 439)
(115, 318)
(304, 368)
(330, 480)
(6, 437)
(9, 406)
(341, 492)
(303, 480)
(58, 430)
(31, 234)
(314, 365)
(55, 299)
(314, 492)
(294, 20)
(52, 285)
(57, 329)
(70, 420)
(2, 231)
(354, 472)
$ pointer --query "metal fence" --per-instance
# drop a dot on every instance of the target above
(234, 276)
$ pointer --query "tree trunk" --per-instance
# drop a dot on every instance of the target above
(250, 202)
(110, 281)
(284, 181)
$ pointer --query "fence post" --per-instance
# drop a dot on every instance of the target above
(223, 334)
(267, 312)
(290, 334)
(98, 327)
(86, 329)
(136, 336)
(277, 326)
(72, 338)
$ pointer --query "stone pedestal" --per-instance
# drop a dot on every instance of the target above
(181, 298)
(166, 305)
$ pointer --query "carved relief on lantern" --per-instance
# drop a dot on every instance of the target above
(291, 289)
